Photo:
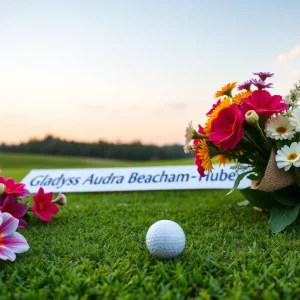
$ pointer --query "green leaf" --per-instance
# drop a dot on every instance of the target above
(280, 144)
(259, 198)
(238, 180)
(287, 196)
(282, 216)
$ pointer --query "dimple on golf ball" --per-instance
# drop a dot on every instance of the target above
(165, 239)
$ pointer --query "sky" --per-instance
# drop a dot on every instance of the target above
(123, 71)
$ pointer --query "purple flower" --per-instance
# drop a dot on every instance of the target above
(261, 84)
(263, 75)
(16, 209)
(245, 86)
(11, 241)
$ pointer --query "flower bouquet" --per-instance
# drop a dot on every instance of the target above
(14, 213)
(260, 134)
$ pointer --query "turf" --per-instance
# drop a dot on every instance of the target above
(95, 249)
(18, 165)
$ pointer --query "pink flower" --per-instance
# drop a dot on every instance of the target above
(263, 75)
(263, 103)
(17, 210)
(13, 188)
(261, 84)
(227, 128)
(11, 242)
(198, 161)
(245, 86)
(43, 207)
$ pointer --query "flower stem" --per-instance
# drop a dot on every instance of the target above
(249, 138)
(197, 135)
(266, 142)
(297, 173)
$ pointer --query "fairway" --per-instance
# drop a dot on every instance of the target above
(95, 247)
(18, 165)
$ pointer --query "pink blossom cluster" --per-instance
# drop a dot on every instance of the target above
(14, 211)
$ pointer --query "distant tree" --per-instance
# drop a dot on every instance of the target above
(135, 151)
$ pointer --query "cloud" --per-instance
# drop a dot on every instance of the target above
(288, 56)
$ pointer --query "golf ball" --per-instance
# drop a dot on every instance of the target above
(165, 239)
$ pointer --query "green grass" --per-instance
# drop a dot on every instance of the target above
(95, 249)
(18, 165)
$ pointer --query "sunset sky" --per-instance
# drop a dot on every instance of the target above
(134, 70)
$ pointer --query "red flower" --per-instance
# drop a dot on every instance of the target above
(227, 128)
(263, 103)
(17, 190)
(16, 209)
(43, 207)
(198, 161)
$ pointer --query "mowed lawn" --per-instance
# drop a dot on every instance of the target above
(95, 247)
(18, 165)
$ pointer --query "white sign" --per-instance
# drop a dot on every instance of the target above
(130, 179)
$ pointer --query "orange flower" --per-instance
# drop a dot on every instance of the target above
(203, 154)
(222, 159)
(226, 102)
(226, 90)
(238, 98)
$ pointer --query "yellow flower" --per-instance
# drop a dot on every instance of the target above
(238, 98)
(226, 90)
(222, 159)
(239, 152)
(226, 102)
(203, 154)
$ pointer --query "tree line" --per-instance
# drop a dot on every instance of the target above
(135, 151)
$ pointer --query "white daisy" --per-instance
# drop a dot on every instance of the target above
(279, 128)
(293, 98)
(287, 99)
(295, 119)
(287, 112)
(189, 133)
(188, 149)
(288, 156)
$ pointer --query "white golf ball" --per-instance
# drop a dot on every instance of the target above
(165, 239)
